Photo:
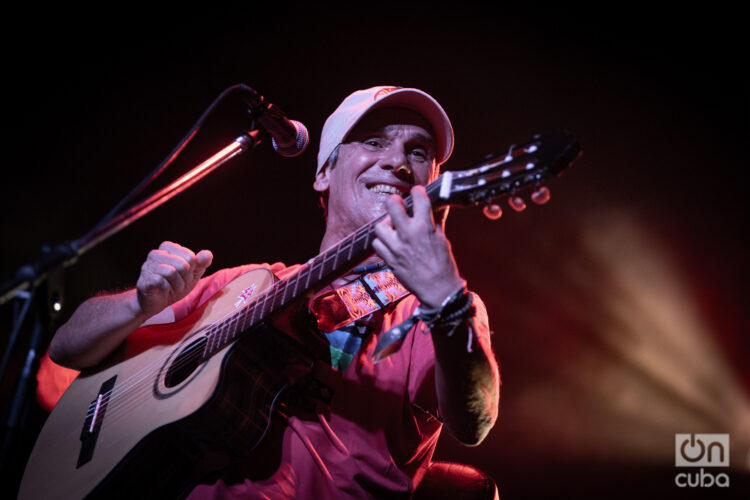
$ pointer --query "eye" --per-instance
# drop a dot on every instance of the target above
(420, 153)
(373, 142)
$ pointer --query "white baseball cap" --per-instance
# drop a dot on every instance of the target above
(358, 104)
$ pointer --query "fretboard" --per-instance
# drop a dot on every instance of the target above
(313, 275)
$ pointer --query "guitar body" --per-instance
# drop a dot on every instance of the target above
(154, 412)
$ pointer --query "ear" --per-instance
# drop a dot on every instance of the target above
(322, 182)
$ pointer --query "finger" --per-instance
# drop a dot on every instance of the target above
(422, 205)
(150, 280)
(396, 208)
(182, 266)
(179, 250)
(382, 250)
(386, 233)
(203, 259)
(172, 275)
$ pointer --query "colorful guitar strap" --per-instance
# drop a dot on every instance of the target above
(342, 313)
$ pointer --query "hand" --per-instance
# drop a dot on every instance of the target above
(417, 251)
(169, 274)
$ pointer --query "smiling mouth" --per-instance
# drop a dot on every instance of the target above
(388, 189)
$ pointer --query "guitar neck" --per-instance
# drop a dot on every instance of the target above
(502, 174)
(313, 275)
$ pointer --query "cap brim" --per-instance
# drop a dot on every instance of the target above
(422, 103)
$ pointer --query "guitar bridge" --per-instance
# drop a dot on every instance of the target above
(93, 421)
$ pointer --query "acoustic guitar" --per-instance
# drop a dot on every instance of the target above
(138, 424)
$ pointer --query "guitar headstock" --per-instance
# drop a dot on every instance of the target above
(523, 165)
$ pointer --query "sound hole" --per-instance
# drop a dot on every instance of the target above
(185, 363)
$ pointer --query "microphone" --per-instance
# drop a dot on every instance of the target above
(289, 137)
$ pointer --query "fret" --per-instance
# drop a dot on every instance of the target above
(274, 298)
(207, 346)
(222, 334)
(226, 332)
(310, 274)
(255, 309)
(216, 336)
(367, 239)
(316, 263)
(277, 295)
(238, 320)
(283, 284)
(231, 328)
(266, 303)
(307, 283)
(322, 268)
(213, 339)
(296, 282)
(263, 302)
(357, 243)
(336, 255)
(351, 247)
(243, 322)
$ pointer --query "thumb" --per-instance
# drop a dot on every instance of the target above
(203, 259)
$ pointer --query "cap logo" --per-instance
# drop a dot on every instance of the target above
(384, 91)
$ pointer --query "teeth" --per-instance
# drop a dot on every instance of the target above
(384, 189)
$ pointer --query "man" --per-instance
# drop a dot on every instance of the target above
(378, 434)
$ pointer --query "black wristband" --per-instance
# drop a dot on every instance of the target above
(454, 309)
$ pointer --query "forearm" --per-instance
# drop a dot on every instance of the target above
(467, 383)
(96, 328)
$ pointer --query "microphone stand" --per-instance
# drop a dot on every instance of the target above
(38, 285)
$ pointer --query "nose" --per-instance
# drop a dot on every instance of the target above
(394, 158)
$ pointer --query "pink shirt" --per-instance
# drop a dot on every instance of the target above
(379, 435)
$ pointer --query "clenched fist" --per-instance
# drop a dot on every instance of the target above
(168, 274)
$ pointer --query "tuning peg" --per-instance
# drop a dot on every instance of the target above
(517, 203)
(492, 211)
(541, 195)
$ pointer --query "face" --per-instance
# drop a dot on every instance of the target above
(370, 167)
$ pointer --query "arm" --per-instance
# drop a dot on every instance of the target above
(467, 383)
(100, 324)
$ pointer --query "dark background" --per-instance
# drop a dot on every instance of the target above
(618, 308)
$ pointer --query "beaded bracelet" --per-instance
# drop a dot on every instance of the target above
(454, 309)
